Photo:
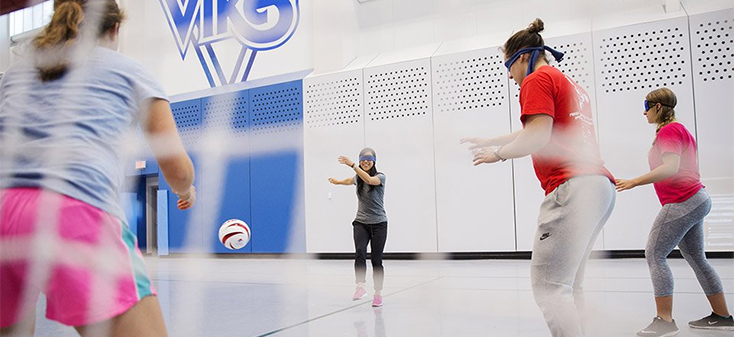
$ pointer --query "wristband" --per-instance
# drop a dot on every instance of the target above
(187, 196)
(497, 153)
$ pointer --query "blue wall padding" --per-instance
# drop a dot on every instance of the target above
(188, 120)
(276, 122)
(234, 204)
(162, 214)
(262, 188)
(185, 228)
(131, 212)
(273, 201)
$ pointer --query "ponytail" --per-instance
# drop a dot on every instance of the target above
(54, 43)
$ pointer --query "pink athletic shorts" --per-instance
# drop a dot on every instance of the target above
(83, 259)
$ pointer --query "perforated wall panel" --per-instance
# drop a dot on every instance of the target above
(277, 109)
(399, 127)
(470, 100)
(227, 113)
(469, 82)
(333, 102)
(578, 60)
(187, 115)
(398, 93)
(712, 41)
(643, 59)
(630, 62)
(712, 49)
(334, 126)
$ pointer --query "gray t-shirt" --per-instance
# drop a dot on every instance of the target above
(67, 135)
(371, 208)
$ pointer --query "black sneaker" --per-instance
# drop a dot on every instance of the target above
(659, 328)
(713, 322)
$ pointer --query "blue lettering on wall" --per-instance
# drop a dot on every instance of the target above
(255, 24)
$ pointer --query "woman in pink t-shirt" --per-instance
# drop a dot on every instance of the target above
(674, 174)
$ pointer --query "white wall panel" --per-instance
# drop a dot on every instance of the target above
(398, 125)
(712, 41)
(578, 63)
(333, 126)
(474, 204)
(528, 193)
(631, 61)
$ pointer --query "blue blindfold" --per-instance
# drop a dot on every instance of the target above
(370, 158)
(650, 104)
(558, 56)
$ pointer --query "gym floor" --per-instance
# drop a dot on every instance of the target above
(312, 298)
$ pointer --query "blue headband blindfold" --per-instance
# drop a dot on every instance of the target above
(370, 158)
(558, 56)
(650, 104)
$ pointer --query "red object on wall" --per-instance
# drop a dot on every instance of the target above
(7, 6)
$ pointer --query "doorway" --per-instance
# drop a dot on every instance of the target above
(151, 215)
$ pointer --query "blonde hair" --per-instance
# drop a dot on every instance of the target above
(65, 29)
(668, 101)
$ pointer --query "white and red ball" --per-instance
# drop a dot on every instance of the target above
(234, 234)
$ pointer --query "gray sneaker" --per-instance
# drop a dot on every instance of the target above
(659, 328)
(713, 322)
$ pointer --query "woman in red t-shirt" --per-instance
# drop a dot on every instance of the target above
(558, 132)
(674, 174)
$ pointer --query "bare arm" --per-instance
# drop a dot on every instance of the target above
(165, 142)
(366, 176)
(671, 165)
(533, 137)
(360, 172)
(478, 142)
(346, 181)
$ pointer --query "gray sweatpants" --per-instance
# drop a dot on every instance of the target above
(681, 224)
(570, 219)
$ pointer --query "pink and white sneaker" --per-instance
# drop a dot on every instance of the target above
(359, 294)
(377, 301)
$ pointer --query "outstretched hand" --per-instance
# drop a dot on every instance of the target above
(187, 200)
(477, 142)
(485, 155)
(346, 161)
(334, 181)
(624, 184)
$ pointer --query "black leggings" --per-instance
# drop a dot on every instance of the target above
(377, 235)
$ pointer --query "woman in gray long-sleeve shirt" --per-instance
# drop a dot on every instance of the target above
(370, 224)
